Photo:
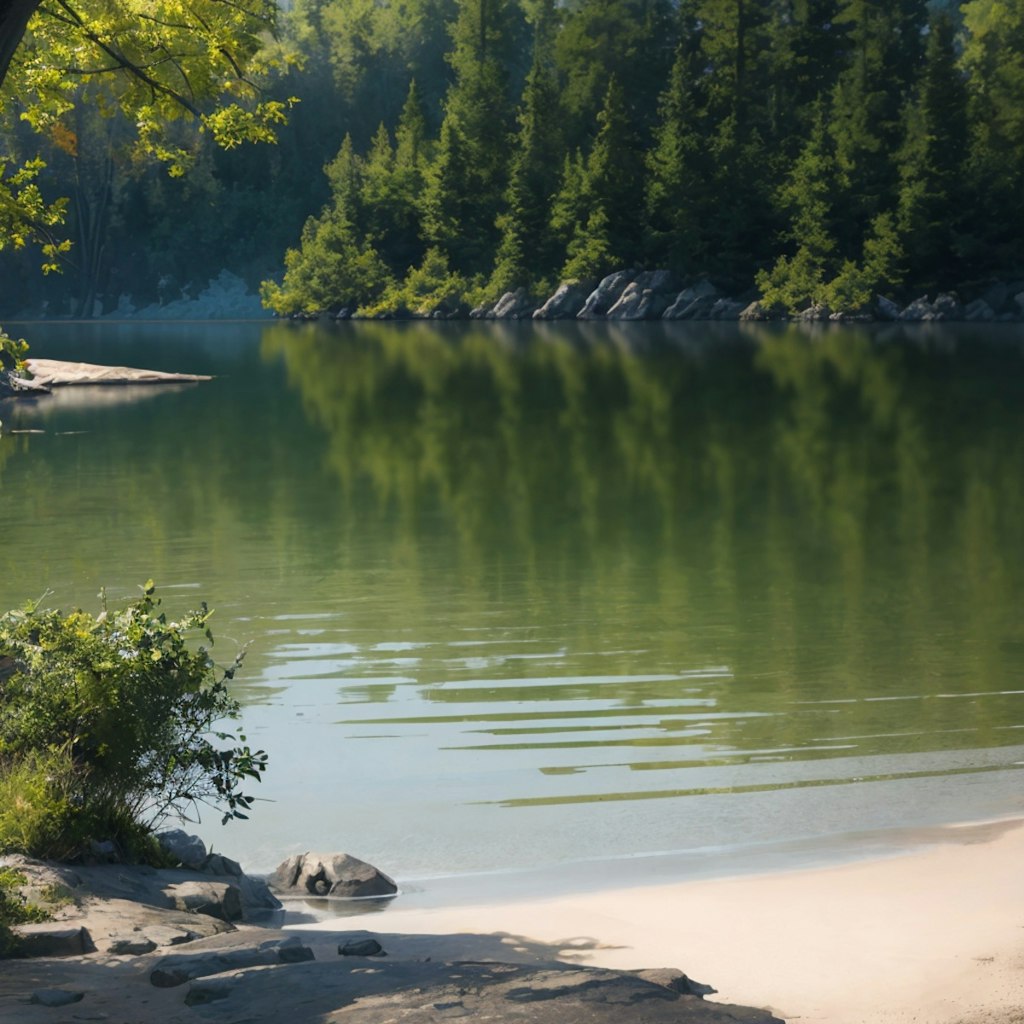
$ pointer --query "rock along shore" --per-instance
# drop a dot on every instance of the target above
(204, 942)
(637, 295)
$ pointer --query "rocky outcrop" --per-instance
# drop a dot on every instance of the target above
(177, 969)
(759, 312)
(515, 305)
(567, 302)
(646, 297)
(605, 295)
(693, 303)
(330, 874)
(221, 900)
(245, 973)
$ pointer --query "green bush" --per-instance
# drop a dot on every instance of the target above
(111, 725)
(12, 353)
(14, 909)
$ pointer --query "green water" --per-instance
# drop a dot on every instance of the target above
(520, 596)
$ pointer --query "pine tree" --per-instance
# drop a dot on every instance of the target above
(527, 250)
(932, 197)
(466, 185)
(799, 280)
(994, 59)
(630, 40)
(885, 41)
(677, 195)
(612, 192)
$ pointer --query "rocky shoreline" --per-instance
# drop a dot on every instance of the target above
(204, 942)
(635, 295)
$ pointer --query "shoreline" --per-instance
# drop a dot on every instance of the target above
(933, 932)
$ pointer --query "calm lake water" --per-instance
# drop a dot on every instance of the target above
(544, 597)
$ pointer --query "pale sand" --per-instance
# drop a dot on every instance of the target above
(931, 936)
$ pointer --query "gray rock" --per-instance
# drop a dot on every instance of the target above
(920, 309)
(886, 308)
(130, 945)
(690, 300)
(221, 900)
(189, 850)
(947, 307)
(726, 309)
(759, 311)
(330, 874)
(645, 298)
(218, 864)
(696, 309)
(55, 997)
(979, 311)
(605, 295)
(1019, 300)
(515, 305)
(676, 980)
(53, 939)
(179, 968)
(204, 992)
(361, 947)
(996, 296)
(813, 314)
(480, 312)
(852, 316)
(428, 993)
(567, 301)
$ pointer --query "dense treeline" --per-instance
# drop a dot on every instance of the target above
(820, 150)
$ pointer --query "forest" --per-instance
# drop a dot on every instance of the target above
(439, 153)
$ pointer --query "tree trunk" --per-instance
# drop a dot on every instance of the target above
(14, 15)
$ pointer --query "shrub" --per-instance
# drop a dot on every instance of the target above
(14, 909)
(111, 725)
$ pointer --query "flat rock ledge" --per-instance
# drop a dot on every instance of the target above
(135, 943)
(257, 975)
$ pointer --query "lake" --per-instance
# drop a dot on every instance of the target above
(590, 600)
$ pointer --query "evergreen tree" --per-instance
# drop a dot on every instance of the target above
(932, 196)
(994, 59)
(885, 45)
(800, 279)
(527, 250)
(610, 195)
(630, 40)
(466, 185)
(678, 200)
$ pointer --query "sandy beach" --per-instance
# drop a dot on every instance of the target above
(934, 935)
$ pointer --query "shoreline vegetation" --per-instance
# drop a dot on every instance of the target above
(810, 156)
(635, 295)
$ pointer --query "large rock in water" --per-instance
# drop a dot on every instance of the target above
(515, 305)
(646, 297)
(566, 302)
(330, 874)
(605, 295)
(692, 303)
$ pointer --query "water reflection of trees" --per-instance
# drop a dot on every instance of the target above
(834, 513)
